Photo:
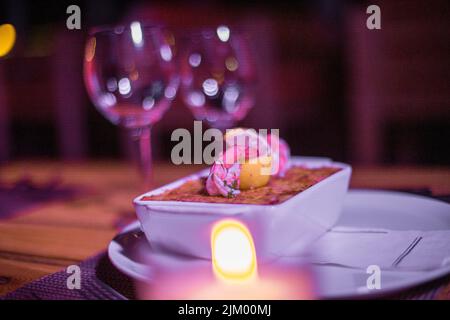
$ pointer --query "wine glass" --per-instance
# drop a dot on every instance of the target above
(131, 78)
(217, 76)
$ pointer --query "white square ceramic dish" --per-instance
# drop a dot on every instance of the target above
(185, 227)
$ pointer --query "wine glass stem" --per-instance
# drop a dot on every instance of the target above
(143, 154)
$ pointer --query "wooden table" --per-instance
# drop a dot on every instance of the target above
(48, 237)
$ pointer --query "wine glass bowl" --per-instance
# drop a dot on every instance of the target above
(129, 73)
(131, 77)
(217, 76)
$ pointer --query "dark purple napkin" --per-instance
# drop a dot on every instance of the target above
(24, 194)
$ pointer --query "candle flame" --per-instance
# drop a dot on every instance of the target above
(233, 252)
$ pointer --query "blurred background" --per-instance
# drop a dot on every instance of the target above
(332, 87)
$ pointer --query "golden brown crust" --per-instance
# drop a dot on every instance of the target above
(297, 179)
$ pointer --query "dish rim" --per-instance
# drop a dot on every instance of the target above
(312, 162)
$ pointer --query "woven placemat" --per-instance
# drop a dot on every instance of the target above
(100, 280)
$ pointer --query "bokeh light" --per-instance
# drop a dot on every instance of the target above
(7, 38)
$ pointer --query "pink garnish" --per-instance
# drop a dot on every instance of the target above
(223, 179)
(224, 176)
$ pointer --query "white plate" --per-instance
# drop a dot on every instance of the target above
(374, 209)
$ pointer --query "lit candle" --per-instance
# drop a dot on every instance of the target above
(233, 273)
